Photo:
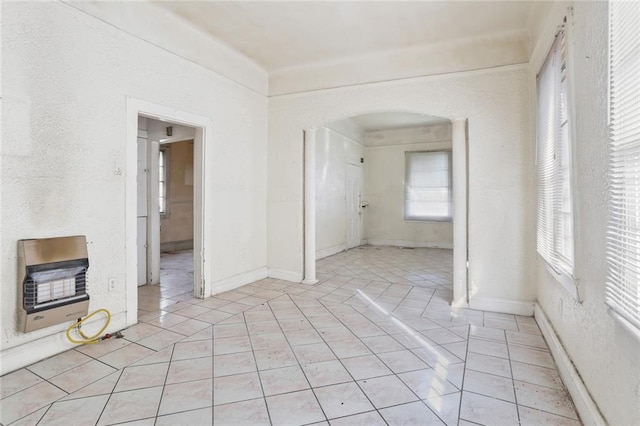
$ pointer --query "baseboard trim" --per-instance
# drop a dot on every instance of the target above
(586, 407)
(504, 306)
(330, 251)
(20, 356)
(408, 243)
(239, 280)
(280, 274)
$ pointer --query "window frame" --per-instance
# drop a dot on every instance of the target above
(427, 219)
(559, 266)
(618, 229)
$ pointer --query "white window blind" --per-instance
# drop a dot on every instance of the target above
(623, 234)
(428, 186)
(555, 212)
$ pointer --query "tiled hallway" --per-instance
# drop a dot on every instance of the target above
(375, 342)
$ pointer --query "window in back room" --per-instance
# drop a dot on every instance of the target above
(428, 186)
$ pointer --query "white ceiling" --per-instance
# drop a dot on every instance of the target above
(394, 120)
(279, 34)
(357, 127)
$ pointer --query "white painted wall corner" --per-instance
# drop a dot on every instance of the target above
(236, 281)
(330, 251)
(280, 274)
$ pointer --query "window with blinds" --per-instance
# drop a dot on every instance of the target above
(623, 233)
(555, 204)
(428, 186)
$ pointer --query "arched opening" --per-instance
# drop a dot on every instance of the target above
(392, 179)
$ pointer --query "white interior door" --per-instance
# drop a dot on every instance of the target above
(354, 214)
(142, 182)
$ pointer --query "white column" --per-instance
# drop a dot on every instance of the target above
(460, 250)
(310, 206)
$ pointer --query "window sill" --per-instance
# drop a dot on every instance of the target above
(633, 330)
(566, 281)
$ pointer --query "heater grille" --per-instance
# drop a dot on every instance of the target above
(48, 285)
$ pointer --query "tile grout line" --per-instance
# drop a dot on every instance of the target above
(296, 357)
(393, 373)
(426, 306)
(464, 374)
(340, 361)
(253, 352)
(41, 417)
(109, 398)
(213, 374)
(166, 376)
(388, 334)
(513, 383)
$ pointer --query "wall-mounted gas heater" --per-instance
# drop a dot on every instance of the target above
(52, 281)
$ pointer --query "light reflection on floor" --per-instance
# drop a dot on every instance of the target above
(374, 342)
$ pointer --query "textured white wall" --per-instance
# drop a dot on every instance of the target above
(606, 356)
(333, 151)
(349, 129)
(65, 79)
(156, 25)
(501, 214)
(384, 179)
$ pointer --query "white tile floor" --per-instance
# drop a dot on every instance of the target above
(375, 342)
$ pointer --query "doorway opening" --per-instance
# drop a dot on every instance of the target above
(169, 178)
(376, 179)
(165, 212)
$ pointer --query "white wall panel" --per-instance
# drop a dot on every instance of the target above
(605, 354)
(67, 75)
(384, 181)
(501, 212)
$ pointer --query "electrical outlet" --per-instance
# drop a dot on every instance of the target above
(112, 284)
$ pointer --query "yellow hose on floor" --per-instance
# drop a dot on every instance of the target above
(88, 339)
